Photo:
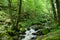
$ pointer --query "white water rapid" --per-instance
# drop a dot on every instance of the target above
(29, 35)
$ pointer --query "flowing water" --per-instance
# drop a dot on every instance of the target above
(29, 34)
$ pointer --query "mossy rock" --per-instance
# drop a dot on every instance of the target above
(54, 37)
(50, 36)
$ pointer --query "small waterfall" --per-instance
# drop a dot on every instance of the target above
(29, 34)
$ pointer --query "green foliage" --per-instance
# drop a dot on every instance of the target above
(3, 3)
(45, 31)
(33, 11)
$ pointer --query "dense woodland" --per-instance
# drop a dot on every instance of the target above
(18, 15)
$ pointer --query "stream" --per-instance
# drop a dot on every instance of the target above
(29, 34)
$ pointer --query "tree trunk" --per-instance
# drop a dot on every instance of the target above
(58, 10)
(18, 18)
(54, 10)
(15, 27)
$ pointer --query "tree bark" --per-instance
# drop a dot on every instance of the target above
(18, 18)
(54, 10)
(58, 10)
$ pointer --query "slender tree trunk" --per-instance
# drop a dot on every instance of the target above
(18, 17)
(54, 10)
(15, 27)
(19, 12)
(58, 10)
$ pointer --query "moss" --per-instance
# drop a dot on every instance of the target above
(54, 37)
(50, 36)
